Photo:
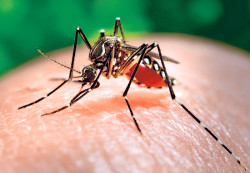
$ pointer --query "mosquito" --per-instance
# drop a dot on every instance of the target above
(111, 56)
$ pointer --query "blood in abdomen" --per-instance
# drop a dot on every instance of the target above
(146, 76)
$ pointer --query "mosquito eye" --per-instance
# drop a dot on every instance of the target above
(88, 73)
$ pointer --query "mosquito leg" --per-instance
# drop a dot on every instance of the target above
(77, 97)
(78, 31)
(80, 94)
(130, 61)
(118, 23)
(189, 112)
(144, 46)
(211, 133)
(38, 100)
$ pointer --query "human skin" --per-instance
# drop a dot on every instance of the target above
(97, 133)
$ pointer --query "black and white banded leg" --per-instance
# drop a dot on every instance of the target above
(211, 133)
(118, 24)
(80, 94)
(78, 31)
(40, 99)
(190, 113)
(143, 49)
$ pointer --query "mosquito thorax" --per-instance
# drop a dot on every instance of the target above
(89, 73)
(98, 53)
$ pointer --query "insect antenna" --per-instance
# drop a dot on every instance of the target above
(51, 59)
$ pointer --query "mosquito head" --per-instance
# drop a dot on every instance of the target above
(89, 73)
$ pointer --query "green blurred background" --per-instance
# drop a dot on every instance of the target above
(50, 24)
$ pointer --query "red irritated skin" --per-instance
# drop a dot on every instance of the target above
(97, 133)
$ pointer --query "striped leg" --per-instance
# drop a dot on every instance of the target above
(77, 97)
(118, 23)
(143, 48)
(188, 111)
(211, 133)
(81, 93)
(78, 32)
(38, 100)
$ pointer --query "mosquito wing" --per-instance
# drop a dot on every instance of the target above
(153, 54)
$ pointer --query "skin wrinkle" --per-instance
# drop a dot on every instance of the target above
(172, 140)
(106, 151)
(162, 146)
(195, 138)
(152, 157)
(157, 150)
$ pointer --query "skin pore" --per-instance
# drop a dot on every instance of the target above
(97, 133)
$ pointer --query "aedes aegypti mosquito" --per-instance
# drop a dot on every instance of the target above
(111, 56)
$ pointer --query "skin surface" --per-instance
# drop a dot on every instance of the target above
(97, 133)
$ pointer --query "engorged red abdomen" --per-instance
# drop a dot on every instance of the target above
(146, 76)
